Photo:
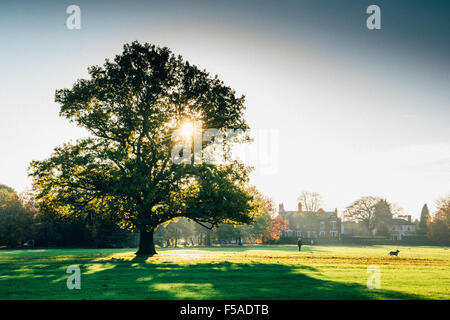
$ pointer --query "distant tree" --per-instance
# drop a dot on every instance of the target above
(383, 217)
(173, 232)
(132, 106)
(438, 226)
(363, 210)
(443, 203)
(7, 188)
(166, 234)
(16, 220)
(256, 231)
(104, 233)
(226, 233)
(7, 194)
(20, 221)
(260, 228)
(259, 231)
(278, 224)
(424, 217)
(396, 210)
(310, 201)
(185, 230)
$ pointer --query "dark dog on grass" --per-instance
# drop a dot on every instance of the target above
(394, 253)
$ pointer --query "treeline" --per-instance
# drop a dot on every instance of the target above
(438, 225)
(17, 220)
(376, 215)
(21, 221)
(187, 233)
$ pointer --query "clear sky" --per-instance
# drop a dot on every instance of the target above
(357, 112)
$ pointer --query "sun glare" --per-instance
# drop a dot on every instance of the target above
(187, 129)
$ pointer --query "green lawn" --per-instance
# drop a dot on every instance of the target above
(266, 272)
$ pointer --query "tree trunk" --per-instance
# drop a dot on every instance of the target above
(176, 238)
(146, 244)
(208, 239)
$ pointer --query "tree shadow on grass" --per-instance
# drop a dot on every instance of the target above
(225, 280)
(146, 279)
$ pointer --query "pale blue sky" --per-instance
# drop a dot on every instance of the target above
(358, 112)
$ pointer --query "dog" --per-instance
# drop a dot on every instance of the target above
(394, 253)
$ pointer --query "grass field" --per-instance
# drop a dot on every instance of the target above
(266, 272)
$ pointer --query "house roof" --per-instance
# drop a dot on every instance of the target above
(401, 222)
(320, 214)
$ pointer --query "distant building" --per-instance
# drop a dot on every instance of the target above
(311, 224)
(401, 228)
(352, 228)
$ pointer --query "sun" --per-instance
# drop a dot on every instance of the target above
(187, 129)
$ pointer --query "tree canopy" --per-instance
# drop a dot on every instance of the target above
(424, 217)
(310, 201)
(374, 212)
(383, 217)
(133, 107)
(16, 218)
(438, 227)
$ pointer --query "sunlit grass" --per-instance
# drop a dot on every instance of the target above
(255, 272)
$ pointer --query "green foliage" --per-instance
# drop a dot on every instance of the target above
(131, 106)
(259, 230)
(424, 217)
(170, 234)
(16, 219)
(383, 217)
(6, 188)
(7, 195)
(438, 228)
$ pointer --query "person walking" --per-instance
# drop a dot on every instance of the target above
(299, 243)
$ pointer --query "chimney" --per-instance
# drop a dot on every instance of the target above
(280, 208)
(299, 207)
(409, 219)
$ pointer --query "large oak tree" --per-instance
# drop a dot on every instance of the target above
(125, 170)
